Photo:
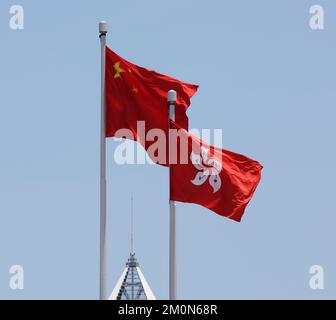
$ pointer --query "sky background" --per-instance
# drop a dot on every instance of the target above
(266, 79)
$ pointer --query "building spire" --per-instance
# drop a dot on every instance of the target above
(132, 284)
(132, 225)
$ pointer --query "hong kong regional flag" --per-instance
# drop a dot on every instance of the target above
(137, 94)
(218, 179)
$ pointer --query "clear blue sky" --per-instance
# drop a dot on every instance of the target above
(265, 78)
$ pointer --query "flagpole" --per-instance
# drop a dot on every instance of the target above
(103, 28)
(171, 97)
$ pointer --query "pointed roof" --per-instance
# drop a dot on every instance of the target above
(132, 284)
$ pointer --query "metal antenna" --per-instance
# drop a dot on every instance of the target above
(132, 231)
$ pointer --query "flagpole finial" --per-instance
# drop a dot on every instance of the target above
(103, 27)
(172, 96)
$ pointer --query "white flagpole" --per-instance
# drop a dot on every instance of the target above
(172, 208)
(103, 28)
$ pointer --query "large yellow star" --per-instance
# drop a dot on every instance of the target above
(118, 70)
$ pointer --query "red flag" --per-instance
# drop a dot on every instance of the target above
(136, 94)
(218, 179)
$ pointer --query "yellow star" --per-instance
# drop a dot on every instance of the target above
(118, 70)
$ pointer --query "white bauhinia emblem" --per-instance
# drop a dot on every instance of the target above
(208, 167)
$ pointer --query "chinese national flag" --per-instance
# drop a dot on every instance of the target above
(218, 179)
(136, 94)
